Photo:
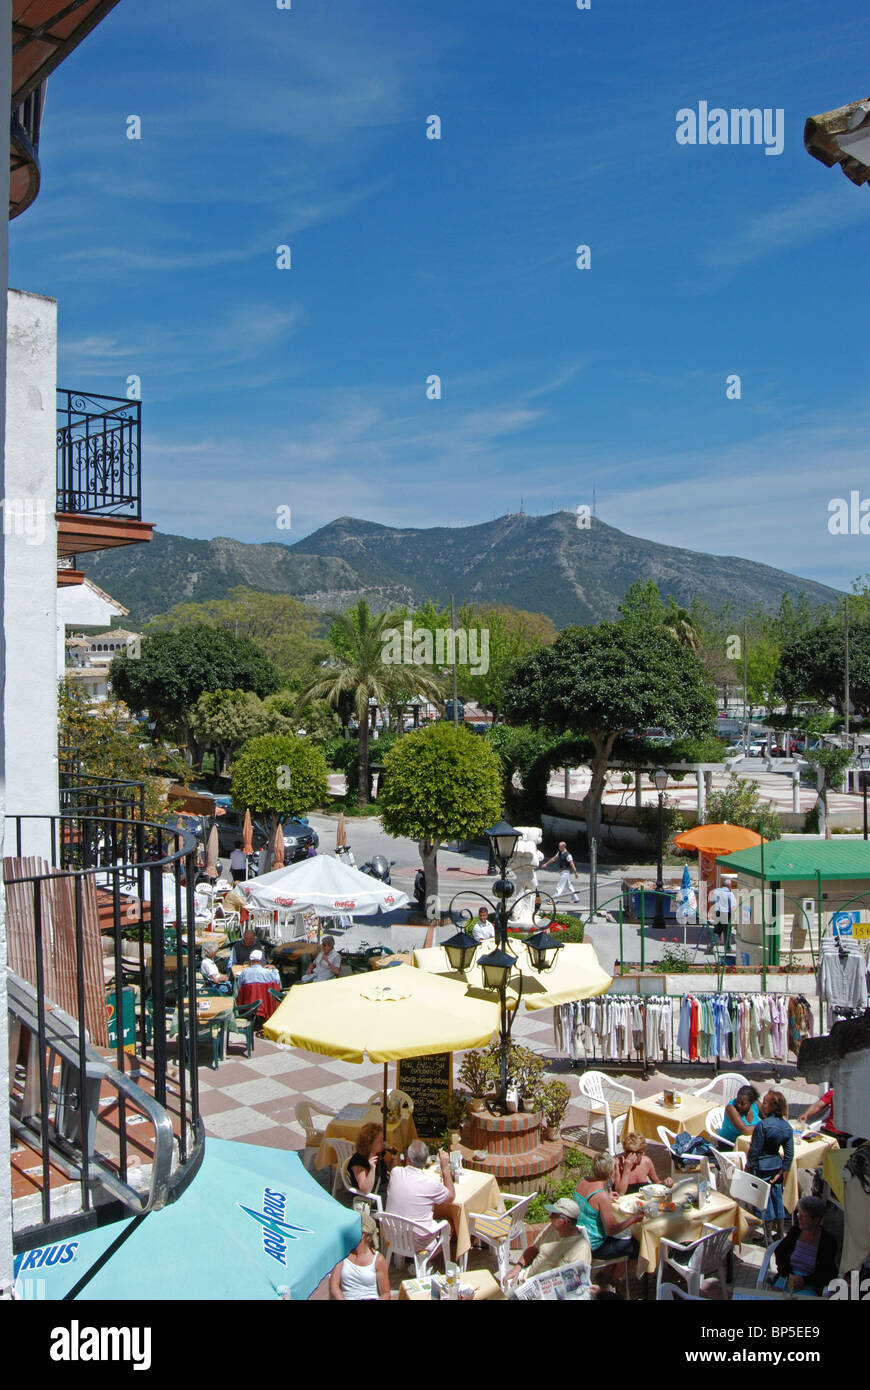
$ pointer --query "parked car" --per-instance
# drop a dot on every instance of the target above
(298, 837)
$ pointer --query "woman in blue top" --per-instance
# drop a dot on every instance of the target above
(598, 1218)
(741, 1115)
(770, 1157)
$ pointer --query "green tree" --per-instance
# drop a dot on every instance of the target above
(175, 668)
(831, 763)
(226, 719)
(359, 667)
(279, 775)
(281, 626)
(104, 742)
(440, 784)
(739, 803)
(600, 682)
(813, 667)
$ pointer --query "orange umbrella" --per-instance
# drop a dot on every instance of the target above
(718, 839)
(713, 840)
(247, 834)
(278, 848)
(341, 833)
(212, 854)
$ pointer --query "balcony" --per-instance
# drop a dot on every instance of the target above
(43, 33)
(103, 1101)
(99, 494)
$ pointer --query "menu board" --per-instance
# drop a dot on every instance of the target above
(429, 1083)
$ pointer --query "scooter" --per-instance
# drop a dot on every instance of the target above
(378, 867)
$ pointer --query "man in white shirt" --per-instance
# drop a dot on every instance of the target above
(722, 905)
(326, 966)
(212, 976)
(483, 929)
(415, 1193)
(259, 974)
(238, 863)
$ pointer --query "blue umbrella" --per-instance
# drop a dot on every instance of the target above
(252, 1221)
(687, 903)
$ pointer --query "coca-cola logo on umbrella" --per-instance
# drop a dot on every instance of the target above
(348, 902)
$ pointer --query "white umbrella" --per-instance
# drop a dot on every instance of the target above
(327, 885)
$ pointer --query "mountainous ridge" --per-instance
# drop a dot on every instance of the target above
(545, 564)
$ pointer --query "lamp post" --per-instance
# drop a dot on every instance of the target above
(660, 777)
(864, 764)
(498, 966)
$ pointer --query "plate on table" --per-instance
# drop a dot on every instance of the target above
(654, 1191)
(629, 1205)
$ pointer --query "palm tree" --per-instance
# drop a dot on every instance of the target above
(358, 669)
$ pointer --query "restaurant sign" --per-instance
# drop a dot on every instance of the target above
(429, 1083)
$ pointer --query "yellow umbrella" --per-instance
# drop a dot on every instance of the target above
(576, 974)
(384, 1016)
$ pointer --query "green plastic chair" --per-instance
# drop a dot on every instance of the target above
(243, 1021)
(279, 995)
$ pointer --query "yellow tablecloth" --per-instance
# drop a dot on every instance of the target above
(645, 1116)
(805, 1156)
(485, 1286)
(214, 1004)
(718, 1210)
(832, 1170)
(348, 1126)
(475, 1192)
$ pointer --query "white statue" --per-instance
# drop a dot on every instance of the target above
(525, 860)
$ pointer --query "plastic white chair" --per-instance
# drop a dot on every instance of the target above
(725, 1086)
(750, 1191)
(765, 1264)
(371, 1199)
(516, 1208)
(680, 1163)
(343, 1150)
(305, 1113)
(706, 1255)
(607, 1098)
(673, 1293)
(402, 1238)
(713, 1124)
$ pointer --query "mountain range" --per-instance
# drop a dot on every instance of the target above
(546, 564)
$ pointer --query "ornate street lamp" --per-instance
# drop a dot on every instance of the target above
(543, 949)
(660, 777)
(864, 764)
(460, 951)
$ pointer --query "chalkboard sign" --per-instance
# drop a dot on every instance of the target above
(429, 1083)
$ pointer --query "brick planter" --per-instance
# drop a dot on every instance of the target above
(516, 1155)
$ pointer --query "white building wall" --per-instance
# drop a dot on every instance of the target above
(30, 568)
(78, 606)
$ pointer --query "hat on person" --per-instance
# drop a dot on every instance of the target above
(564, 1207)
(256, 955)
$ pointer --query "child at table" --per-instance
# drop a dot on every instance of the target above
(633, 1168)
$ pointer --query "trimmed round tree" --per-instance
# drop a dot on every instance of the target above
(279, 775)
(439, 784)
(600, 682)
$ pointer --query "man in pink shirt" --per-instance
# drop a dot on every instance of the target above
(415, 1193)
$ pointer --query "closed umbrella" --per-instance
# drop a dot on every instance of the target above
(212, 854)
(341, 833)
(247, 839)
(278, 848)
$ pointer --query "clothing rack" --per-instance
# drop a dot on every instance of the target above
(645, 1029)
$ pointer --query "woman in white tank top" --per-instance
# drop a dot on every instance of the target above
(362, 1275)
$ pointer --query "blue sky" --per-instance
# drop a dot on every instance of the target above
(306, 388)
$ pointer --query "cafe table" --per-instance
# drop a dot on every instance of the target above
(475, 1193)
(483, 1283)
(210, 1006)
(350, 1120)
(645, 1116)
(806, 1155)
(683, 1226)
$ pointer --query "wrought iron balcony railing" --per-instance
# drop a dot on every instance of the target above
(98, 445)
(105, 1117)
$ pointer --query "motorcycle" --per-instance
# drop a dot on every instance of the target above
(378, 867)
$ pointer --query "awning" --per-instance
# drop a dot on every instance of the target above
(252, 1221)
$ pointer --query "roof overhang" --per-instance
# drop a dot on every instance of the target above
(44, 32)
(842, 137)
(80, 532)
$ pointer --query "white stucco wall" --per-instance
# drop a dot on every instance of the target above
(78, 606)
(30, 568)
(850, 1078)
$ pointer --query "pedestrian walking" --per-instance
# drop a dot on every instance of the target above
(567, 868)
